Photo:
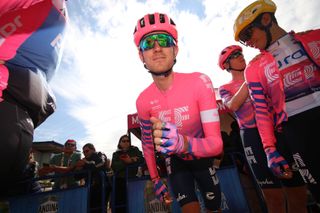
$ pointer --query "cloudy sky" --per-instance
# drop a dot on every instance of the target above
(101, 74)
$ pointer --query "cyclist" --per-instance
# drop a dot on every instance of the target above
(236, 97)
(296, 56)
(30, 50)
(181, 120)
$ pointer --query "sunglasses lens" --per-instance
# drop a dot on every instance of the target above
(147, 43)
(163, 40)
(245, 34)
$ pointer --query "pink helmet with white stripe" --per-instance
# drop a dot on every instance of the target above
(154, 22)
(226, 52)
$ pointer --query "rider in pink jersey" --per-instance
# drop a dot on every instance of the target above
(181, 120)
(235, 96)
(297, 58)
(31, 33)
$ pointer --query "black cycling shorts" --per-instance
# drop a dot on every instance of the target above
(257, 159)
(185, 175)
(16, 135)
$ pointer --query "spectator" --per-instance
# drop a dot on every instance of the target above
(296, 56)
(235, 96)
(125, 156)
(93, 162)
(63, 163)
(30, 52)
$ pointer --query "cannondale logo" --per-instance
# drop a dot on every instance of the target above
(270, 73)
(292, 78)
(314, 47)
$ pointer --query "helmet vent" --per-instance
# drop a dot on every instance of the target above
(162, 19)
(142, 23)
(151, 19)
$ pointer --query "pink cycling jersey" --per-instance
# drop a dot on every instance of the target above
(21, 31)
(4, 75)
(190, 104)
(245, 113)
(301, 74)
(266, 91)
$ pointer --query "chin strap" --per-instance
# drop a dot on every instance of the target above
(164, 73)
(239, 70)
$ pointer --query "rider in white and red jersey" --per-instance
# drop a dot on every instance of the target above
(31, 35)
(235, 96)
(181, 120)
(297, 58)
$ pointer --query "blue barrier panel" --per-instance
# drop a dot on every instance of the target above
(69, 200)
(233, 199)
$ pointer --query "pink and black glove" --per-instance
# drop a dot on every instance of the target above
(161, 191)
(278, 165)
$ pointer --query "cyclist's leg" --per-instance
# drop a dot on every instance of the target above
(16, 135)
(271, 187)
(208, 183)
(295, 188)
(182, 184)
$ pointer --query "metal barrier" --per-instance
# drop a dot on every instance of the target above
(140, 195)
(72, 199)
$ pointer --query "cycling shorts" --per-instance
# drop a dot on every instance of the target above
(257, 160)
(16, 133)
(185, 175)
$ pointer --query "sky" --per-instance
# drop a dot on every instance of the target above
(101, 75)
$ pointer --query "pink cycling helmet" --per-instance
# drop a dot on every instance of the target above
(226, 52)
(154, 22)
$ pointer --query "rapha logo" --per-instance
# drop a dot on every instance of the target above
(49, 205)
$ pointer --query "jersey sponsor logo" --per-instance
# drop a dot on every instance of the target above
(180, 114)
(270, 72)
(295, 57)
(315, 48)
(206, 80)
(292, 78)
(210, 195)
(9, 28)
(309, 71)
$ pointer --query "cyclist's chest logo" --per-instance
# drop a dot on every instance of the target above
(176, 115)
(284, 60)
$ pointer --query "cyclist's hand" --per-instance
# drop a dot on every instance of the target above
(166, 137)
(161, 191)
(277, 163)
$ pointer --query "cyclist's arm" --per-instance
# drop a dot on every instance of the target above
(211, 144)
(258, 76)
(234, 102)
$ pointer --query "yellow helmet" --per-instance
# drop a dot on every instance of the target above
(250, 13)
